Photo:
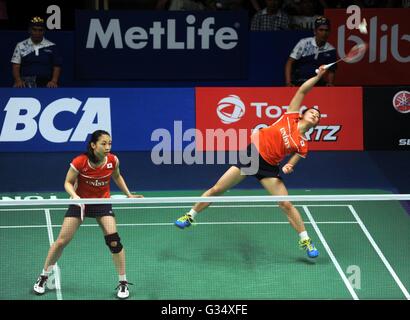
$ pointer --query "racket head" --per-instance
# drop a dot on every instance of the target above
(356, 53)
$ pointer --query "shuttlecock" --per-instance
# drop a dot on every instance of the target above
(363, 26)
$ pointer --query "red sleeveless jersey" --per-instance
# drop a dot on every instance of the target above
(94, 182)
(280, 139)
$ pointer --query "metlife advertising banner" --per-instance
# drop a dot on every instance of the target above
(387, 118)
(227, 116)
(161, 45)
(36, 120)
(387, 59)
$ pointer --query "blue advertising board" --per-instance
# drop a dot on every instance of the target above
(36, 120)
(144, 45)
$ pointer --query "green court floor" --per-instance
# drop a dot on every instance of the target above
(236, 251)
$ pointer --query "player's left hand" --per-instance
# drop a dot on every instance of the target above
(287, 168)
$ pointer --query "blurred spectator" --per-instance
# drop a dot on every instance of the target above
(257, 5)
(372, 3)
(35, 61)
(230, 4)
(309, 54)
(271, 18)
(336, 4)
(183, 5)
(3, 10)
(291, 7)
(405, 3)
(361, 3)
(306, 14)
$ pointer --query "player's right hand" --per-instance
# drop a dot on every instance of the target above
(322, 70)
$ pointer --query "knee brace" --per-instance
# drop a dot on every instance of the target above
(113, 242)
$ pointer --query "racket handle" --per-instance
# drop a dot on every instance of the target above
(326, 66)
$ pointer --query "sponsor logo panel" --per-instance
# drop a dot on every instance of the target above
(224, 109)
(386, 60)
(387, 118)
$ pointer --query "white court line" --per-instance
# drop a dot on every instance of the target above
(330, 253)
(55, 268)
(380, 253)
(184, 207)
(171, 224)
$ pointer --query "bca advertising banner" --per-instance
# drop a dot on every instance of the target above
(387, 59)
(35, 120)
(387, 118)
(161, 45)
(226, 116)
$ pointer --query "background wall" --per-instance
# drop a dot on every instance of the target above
(387, 170)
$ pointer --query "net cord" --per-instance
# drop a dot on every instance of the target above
(219, 199)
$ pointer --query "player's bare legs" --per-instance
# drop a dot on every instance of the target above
(109, 227)
(276, 187)
(229, 179)
(68, 229)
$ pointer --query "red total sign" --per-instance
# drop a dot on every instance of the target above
(226, 114)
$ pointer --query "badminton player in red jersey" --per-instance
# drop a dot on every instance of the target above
(89, 177)
(284, 137)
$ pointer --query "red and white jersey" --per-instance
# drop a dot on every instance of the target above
(280, 139)
(94, 182)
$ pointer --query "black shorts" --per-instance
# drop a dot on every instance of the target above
(265, 169)
(91, 211)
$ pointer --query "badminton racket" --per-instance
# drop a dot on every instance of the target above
(354, 55)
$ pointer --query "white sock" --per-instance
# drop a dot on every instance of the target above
(47, 272)
(122, 277)
(192, 213)
(303, 235)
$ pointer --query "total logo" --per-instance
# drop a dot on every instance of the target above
(401, 101)
(231, 109)
(25, 117)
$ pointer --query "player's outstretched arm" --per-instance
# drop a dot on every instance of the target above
(304, 89)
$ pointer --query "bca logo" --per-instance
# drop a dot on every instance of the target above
(230, 109)
(401, 101)
(20, 123)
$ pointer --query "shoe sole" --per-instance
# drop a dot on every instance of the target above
(180, 227)
(39, 293)
(313, 257)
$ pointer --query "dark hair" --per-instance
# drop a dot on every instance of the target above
(94, 138)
